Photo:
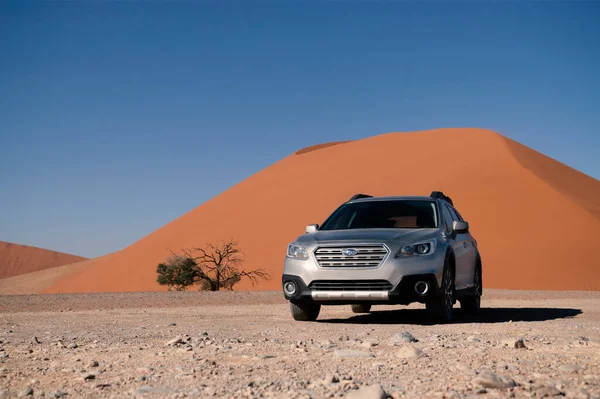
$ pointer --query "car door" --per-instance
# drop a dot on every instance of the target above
(470, 251)
(457, 247)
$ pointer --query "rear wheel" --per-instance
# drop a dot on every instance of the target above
(472, 303)
(440, 308)
(305, 311)
(361, 308)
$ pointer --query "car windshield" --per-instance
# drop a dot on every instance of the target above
(392, 214)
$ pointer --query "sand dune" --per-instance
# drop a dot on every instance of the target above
(16, 259)
(535, 218)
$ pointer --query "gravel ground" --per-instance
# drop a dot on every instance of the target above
(245, 344)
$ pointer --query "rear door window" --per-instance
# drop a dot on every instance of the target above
(447, 218)
(453, 213)
(458, 214)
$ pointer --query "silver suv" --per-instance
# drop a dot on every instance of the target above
(385, 250)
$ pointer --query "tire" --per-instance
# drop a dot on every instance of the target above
(440, 308)
(361, 308)
(472, 303)
(305, 311)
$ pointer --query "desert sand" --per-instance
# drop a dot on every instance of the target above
(18, 259)
(535, 219)
(245, 344)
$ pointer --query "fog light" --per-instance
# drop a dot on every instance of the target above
(289, 288)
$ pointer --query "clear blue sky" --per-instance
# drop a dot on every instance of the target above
(116, 118)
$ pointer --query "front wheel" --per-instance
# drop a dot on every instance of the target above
(305, 311)
(440, 308)
(361, 308)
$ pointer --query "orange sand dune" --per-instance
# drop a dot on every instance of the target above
(18, 259)
(536, 219)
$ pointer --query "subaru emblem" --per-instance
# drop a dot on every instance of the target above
(349, 252)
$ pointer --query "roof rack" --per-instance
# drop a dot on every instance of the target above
(359, 196)
(442, 196)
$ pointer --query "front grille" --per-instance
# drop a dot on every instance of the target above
(350, 285)
(366, 256)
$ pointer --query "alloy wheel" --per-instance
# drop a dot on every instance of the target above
(448, 292)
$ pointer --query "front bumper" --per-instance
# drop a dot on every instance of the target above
(402, 293)
(400, 275)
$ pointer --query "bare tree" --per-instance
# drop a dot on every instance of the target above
(221, 266)
(215, 267)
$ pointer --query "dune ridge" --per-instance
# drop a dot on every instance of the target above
(578, 187)
(319, 147)
(534, 218)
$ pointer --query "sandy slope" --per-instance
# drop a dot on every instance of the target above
(245, 345)
(535, 218)
(34, 282)
(18, 259)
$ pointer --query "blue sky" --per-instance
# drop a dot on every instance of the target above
(116, 118)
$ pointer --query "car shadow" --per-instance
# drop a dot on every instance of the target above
(486, 315)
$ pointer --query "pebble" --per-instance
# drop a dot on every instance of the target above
(368, 344)
(349, 353)
(410, 352)
(59, 394)
(489, 379)
(175, 341)
(367, 392)
(89, 376)
(547, 391)
(93, 363)
(473, 339)
(403, 337)
(72, 346)
(26, 392)
(153, 390)
(569, 368)
(519, 344)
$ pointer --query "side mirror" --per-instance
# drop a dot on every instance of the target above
(311, 228)
(460, 227)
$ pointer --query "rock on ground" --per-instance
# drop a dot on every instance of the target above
(489, 379)
(368, 392)
(410, 352)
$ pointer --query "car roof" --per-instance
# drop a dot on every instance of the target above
(393, 198)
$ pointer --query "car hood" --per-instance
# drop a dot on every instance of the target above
(406, 236)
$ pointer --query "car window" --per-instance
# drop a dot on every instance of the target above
(458, 214)
(453, 213)
(392, 214)
(447, 218)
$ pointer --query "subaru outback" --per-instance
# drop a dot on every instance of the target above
(385, 250)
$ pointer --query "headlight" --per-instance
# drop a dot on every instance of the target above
(295, 251)
(419, 249)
